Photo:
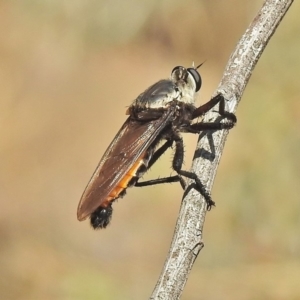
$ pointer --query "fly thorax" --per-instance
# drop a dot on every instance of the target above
(157, 96)
(183, 114)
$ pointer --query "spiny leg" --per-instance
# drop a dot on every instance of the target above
(177, 166)
(158, 181)
(201, 126)
(203, 109)
(198, 127)
(230, 116)
(157, 154)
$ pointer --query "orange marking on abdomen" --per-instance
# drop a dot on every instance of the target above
(123, 183)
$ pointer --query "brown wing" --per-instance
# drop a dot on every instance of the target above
(125, 149)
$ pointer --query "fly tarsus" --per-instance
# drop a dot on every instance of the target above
(199, 187)
(203, 109)
(177, 166)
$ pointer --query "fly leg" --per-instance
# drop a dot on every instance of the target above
(177, 166)
(158, 153)
(198, 127)
(203, 109)
(169, 179)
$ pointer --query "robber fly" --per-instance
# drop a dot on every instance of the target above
(161, 113)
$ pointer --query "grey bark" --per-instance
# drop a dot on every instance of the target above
(187, 239)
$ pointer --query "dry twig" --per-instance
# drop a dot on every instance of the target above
(187, 240)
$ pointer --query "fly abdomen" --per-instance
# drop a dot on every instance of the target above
(101, 217)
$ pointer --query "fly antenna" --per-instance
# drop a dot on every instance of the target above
(199, 65)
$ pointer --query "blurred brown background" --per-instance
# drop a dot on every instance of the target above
(68, 69)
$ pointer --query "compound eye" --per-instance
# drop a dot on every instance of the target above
(197, 78)
(175, 69)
